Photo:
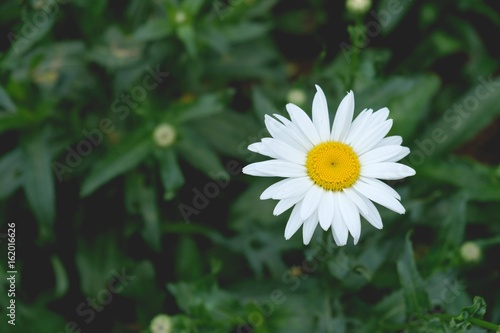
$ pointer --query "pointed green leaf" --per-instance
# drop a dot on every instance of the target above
(149, 212)
(154, 29)
(200, 156)
(117, 161)
(417, 301)
(38, 179)
(11, 168)
(170, 172)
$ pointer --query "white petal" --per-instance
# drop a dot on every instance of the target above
(379, 116)
(384, 154)
(381, 185)
(325, 210)
(260, 148)
(339, 229)
(300, 118)
(281, 132)
(358, 125)
(350, 215)
(366, 208)
(387, 170)
(275, 168)
(371, 138)
(309, 227)
(287, 188)
(295, 132)
(285, 151)
(390, 140)
(380, 196)
(294, 222)
(320, 116)
(311, 202)
(343, 118)
(285, 204)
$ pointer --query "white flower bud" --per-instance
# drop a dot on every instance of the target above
(164, 135)
(358, 6)
(296, 96)
(161, 324)
(180, 17)
(470, 252)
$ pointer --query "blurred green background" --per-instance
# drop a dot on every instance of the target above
(124, 127)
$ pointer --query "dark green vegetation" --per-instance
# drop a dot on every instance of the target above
(117, 221)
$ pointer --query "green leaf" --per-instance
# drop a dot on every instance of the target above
(117, 161)
(206, 105)
(465, 118)
(5, 101)
(452, 229)
(38, 179)
(200, 156)
(187, 35)
(154, 29)
(11, 169)
(262, 105)
(188, 264)
(61, 277)
(149, 211)
(408, 99)
(391, 12)
(170, 172)
(478, 181)
(416, 299)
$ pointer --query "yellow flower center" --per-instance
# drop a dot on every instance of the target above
(333, 165)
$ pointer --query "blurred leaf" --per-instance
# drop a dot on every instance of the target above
(408, 100)
(262, 105)
(187, 35)
(188, 265)
(38, 180)
(477, 181)
(5, 101)
(170, 172)
(61, 277)
(416, 299)
(119, 160)
(149, 212)
(200, 156)
(391, 12)
(204, 106)
(11, 169)
(452, 228)
(157, 28)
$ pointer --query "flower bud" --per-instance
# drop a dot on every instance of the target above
(164, 135)
(470, 252)
(161, 324)
(359, 7)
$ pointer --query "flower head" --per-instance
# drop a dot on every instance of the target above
(358, 6)
(161, 324)
(331, 172)
(164, 135)
(471, 252)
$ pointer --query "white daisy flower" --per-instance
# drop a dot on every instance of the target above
(331, 174)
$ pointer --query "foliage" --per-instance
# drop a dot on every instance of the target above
(125, 125)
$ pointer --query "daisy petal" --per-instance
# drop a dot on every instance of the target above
(308, 228)
(350, 215)
(384, 154)
(320, 116)
(325, 210)
(311, 201)
(380, 185)
(260, 148)
(390, 140)
(366, 208)
(295, 132)
(380, 196)
(286, 188)
(343, 118)
(339, 229)
(285, 204)
(275, 168)
(300, 118)
(371, 138)
(285, 151)
(387, 171)
(294, 222)
(283, 133)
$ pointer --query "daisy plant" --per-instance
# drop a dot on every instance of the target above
(332, 173)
